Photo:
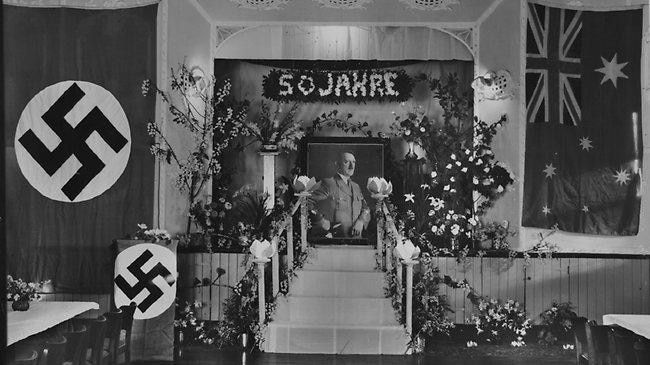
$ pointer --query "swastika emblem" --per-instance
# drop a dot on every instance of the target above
(72, 141)
(145, 274)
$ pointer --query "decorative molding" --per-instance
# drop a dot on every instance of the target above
(81, 4)
(221, 33)
(344, 4)
(260, 4)
(488, 12)
(430, 4)
(464, 35)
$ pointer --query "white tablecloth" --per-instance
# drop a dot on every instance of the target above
(637, 323)
(41, 316)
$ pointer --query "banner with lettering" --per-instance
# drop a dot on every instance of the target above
(78, 169)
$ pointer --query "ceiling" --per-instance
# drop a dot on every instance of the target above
(378, 11)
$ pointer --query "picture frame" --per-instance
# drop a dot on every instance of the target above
(335, 207)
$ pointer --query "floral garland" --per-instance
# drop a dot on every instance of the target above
(334, 87)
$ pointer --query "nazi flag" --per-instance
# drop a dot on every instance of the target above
(145, 274)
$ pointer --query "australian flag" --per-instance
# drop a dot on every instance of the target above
(583, 130)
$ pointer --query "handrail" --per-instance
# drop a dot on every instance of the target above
(390, 226)
(285, 227)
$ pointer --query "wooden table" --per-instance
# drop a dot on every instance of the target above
(41, 316)
(637, 323)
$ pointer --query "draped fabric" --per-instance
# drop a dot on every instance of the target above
(583, 136)
(371, 42)
(69, 242)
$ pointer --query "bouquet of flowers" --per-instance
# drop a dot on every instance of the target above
(499, 322)
(20, 290)
(150, 235)
(413, 127)
(276, 128)
(558, 323)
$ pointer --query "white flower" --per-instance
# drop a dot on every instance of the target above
(434, 229)
(379, 185)
(475, 180)
(262, 249)
(464, 169)
(455, 229)
(446, 188)
(453, 156)
(303, 183)
(433, 174)
(448, 166)
(471, 344)
(142, 226)
(406, 250)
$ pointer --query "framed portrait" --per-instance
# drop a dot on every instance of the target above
(341, 208)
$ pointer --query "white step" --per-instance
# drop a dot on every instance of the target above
(340, 284)
(335, 311)
(335, 339)
(342, 258)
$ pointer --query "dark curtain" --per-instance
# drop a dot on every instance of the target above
(115, 49)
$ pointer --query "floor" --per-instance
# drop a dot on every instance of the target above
(208, 357)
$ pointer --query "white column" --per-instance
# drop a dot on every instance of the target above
(275, 267)
(380, 230)
(409, 295)
(290, 242)
(303, 219)
(268, 179)
(260, 289)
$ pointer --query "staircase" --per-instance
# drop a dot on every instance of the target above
(336, 305)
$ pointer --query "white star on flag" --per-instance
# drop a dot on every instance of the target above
(622, 176)
(611, 70)
(585, 143)
(549, 171)
(585, 208)
(546, 210)
(409, 197)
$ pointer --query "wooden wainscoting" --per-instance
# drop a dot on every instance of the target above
(205, 265)
(595, 286)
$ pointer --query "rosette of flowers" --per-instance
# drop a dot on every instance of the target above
(20, 292)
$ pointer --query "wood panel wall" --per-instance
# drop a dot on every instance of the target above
(596, 286)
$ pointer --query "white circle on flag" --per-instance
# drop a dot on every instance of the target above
(89, 142)
(136, 279)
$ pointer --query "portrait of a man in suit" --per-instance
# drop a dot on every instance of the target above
(340, 209)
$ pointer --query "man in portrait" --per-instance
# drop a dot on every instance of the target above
(340, 208)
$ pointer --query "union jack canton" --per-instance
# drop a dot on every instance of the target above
(553, 65)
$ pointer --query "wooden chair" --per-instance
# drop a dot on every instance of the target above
(622, 352)
(579, 325)
(642, 352)
(112, 337)
(598, 347)
(94, 346)
(54, 351)
(26, 358)
(124, 343)
(75, 353)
